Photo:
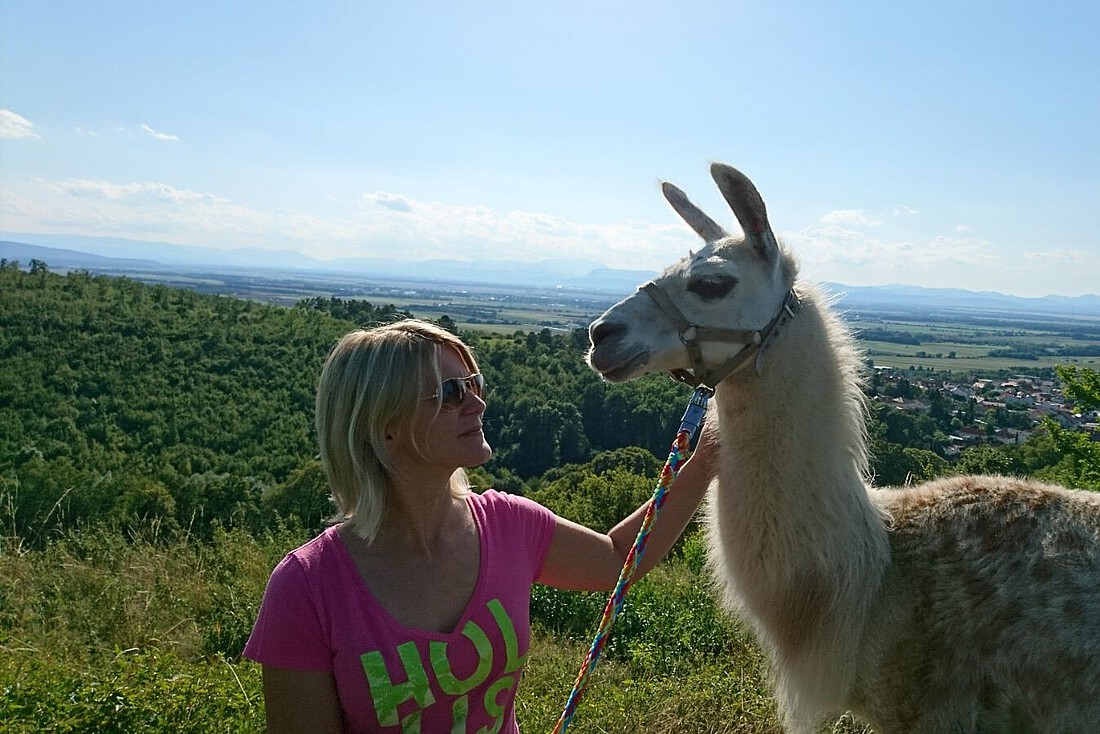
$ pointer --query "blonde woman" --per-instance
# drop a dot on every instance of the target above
(412, 612)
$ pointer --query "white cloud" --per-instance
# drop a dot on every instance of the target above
(158, 135)
(438, 229)
(962, 228)
(1061, 256)
(904, 211)
(836, 253)
(376, 224)
(138, 210)
(849, 217)
(389, 201)
(386, 224)
(13, 125)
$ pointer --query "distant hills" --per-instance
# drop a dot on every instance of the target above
(914, 298)
(62, 252)
(123, 256)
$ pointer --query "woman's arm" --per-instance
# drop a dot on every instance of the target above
(301, 702)
(584, 560)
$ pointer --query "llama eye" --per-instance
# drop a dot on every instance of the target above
(712, 287)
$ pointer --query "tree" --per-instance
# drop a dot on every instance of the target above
(941, 408)
(598, 501)
(900, 388)
(448, 323)
(540, 435)
(1081, 385)
(893, 465)
(987, 459)
(906, 428)
(304, 496)
(1078, 464)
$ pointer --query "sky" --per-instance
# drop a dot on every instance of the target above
(937, 144)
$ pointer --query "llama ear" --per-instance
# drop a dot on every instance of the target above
(748, 206)
(703, 225)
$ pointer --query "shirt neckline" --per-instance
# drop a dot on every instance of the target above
(379, 610)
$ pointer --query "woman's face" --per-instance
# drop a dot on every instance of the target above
(448, 439)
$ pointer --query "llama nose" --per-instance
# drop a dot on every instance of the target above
(602, 330)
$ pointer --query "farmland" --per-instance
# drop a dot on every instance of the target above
(978, 343)
(948, 339)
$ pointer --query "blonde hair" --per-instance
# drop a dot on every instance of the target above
(370, 386)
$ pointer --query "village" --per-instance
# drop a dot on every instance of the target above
(984, 410)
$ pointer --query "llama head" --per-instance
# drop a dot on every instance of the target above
(725, 293)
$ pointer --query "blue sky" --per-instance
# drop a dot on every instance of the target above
(941, 144)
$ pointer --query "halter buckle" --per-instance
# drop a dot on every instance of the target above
(759, 340)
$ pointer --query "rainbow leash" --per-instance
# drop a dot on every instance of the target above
(681, 449)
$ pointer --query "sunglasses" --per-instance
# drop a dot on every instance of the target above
(452, 392)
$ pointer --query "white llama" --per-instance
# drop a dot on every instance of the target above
(968, 604)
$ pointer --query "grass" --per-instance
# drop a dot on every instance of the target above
(102, 634)
(621, 697)
(137, 690)
(110, 634)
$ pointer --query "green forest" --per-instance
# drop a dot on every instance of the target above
(157, 458)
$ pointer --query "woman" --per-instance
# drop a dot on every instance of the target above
(411, 614)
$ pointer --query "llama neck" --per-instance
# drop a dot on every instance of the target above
(792, 499)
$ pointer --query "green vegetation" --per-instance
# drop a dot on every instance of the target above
(1077, 462)
(982, 344)
(157, 459)
(147, 406)
(103, 635)
(109, 636)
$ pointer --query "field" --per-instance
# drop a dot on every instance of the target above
(979, 343)
(947, 340)
(481, 307)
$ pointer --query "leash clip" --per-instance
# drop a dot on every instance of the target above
(696, 409)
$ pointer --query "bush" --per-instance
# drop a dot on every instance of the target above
(129, 692)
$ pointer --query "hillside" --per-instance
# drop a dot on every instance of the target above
(122, 400)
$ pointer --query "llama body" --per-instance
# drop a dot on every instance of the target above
(988, 610)
(966, 604)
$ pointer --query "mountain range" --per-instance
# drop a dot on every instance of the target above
(121, 256)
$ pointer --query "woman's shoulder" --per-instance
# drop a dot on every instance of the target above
(503, 505)
(493, 498)
(518, 524)
(321, 550)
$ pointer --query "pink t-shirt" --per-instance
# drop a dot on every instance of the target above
(317, 614)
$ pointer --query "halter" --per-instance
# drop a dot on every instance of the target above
(757, 340)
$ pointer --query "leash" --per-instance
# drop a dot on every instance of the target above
(681, 449)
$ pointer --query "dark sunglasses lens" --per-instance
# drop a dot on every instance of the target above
(453, 391)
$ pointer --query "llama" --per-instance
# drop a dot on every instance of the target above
(965, 604)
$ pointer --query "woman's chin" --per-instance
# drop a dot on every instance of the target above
(484, 455)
